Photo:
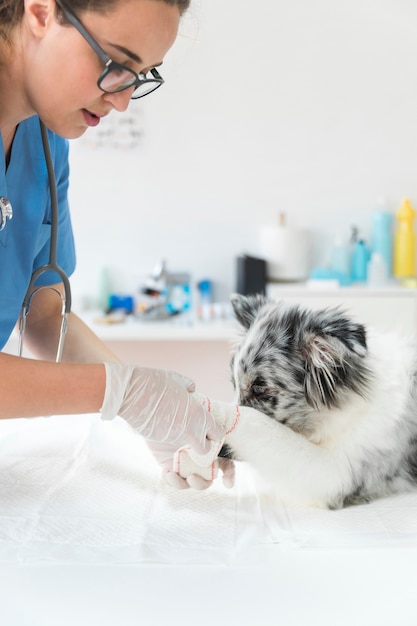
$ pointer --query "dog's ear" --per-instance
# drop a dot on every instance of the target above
(337, 323)
(246, 308)
(334, 363)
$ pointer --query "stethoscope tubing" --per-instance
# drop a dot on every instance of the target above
(52, 265)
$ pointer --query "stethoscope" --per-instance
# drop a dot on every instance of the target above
(6, 212)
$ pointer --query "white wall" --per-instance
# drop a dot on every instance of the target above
(303, 106)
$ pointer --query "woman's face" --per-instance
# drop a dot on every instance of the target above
(61, 68)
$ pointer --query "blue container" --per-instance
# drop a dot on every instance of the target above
(360, 258)
(205, 289)
(121, 303)
(381, 238)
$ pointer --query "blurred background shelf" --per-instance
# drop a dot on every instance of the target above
(202, 350)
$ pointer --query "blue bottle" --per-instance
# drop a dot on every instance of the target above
(360, 258)
(381, 238)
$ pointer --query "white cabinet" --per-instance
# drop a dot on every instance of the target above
(391, 308)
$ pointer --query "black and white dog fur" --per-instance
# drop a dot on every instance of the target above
(336, 419)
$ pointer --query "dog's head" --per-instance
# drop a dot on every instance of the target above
(294, 363)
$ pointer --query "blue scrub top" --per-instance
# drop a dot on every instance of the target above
(24, 242)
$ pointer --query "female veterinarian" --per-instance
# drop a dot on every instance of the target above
(65, 64)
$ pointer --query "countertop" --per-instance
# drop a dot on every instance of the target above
(186, 327)
(175, 329)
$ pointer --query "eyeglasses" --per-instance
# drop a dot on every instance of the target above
(115, 77)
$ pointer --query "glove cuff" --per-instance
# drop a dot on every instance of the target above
(117, 379)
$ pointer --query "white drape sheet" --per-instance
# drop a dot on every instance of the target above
(77, 489)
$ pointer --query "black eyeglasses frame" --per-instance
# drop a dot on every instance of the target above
(110, 65)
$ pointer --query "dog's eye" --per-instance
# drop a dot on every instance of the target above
(258, 391)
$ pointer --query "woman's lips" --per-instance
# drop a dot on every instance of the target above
(90, 118)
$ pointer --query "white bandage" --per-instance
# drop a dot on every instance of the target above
(187, 461)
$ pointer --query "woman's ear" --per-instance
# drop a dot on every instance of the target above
(39, 14)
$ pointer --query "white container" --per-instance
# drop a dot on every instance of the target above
(287, 252)
(377, 270)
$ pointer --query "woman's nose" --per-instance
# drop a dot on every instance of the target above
(120, 100)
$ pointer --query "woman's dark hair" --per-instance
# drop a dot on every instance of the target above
(78, 6)
(11, 11)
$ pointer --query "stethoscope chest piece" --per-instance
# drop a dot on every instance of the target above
(6, 211)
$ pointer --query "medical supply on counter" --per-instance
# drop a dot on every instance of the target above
(52, 265)
(377, 270)
(203, 305)
(405, 241)
(205, 291)
(381, 238)
(214, 312)
(164, 294)
(328, 277)
(251, 275)
(340, 256)
(104, 289)
(179, 293)
(360, 258)
(286, 250)
(122, 303)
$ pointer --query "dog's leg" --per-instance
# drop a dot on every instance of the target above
(302, 472)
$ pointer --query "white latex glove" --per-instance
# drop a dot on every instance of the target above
(158, 405)
(166, 455)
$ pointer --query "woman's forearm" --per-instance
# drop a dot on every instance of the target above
(31, 388)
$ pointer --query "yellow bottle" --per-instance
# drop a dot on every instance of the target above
(405, 242)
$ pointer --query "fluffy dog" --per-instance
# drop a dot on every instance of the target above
(336, 419)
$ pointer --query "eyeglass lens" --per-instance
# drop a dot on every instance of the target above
(119, 78)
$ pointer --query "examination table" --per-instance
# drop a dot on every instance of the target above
(90, 536)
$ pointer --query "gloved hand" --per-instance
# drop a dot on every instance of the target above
(159, 406)
(164, 453)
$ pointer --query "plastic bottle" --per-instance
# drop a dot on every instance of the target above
(104, 289)
(205, 308)
(360, 259)
(405, 242)
(377, 271)
(381, 238)
(340, 257)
